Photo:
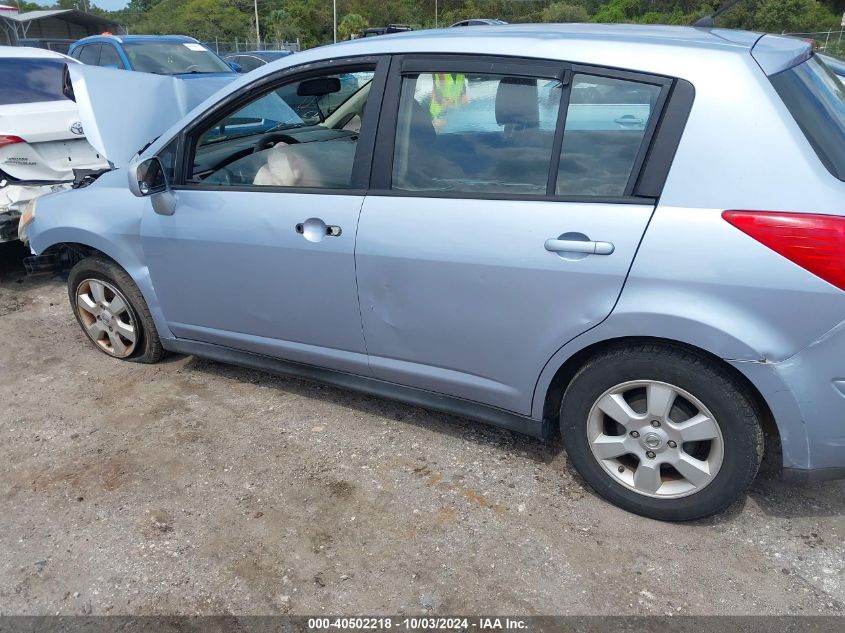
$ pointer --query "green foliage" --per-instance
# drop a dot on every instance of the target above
(310, 21)
(563, 12)
(793, 16)
(351, 24)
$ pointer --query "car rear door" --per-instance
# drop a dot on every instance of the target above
(502, 220)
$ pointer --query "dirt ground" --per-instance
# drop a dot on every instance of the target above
(194, 487)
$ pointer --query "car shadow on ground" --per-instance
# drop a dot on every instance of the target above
(772, 495)
(441, 423)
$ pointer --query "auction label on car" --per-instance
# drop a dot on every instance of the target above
(418, 623)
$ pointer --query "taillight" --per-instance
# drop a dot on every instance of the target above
(814, 242)
(10, 140)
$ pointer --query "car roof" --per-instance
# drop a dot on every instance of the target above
(133, 38)
(260, 53)
(656, 35)
(30, 52)
(679, 51)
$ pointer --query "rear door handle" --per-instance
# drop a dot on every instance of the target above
(628, 119)
(578, 246)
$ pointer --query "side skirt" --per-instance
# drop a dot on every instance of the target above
(541, 429)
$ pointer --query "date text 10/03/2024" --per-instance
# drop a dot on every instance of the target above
(418, 624)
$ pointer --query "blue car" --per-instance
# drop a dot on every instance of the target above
(250, 60)
(174, 55)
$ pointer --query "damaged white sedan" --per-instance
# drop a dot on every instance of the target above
(42, 141)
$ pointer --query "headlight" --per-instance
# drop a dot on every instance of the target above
(27, 217)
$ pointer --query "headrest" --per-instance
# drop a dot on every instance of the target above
(517, 102)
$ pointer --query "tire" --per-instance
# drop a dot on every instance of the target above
(711, 431)
(96, 278)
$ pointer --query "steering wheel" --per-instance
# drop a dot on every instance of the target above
(269, 140)
(192, 67)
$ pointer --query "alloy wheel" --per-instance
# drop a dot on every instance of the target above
(655, 439)
(106, 317)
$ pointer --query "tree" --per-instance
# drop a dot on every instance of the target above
(792, 16)
(351, 24)
(280, 26)
(563, 12)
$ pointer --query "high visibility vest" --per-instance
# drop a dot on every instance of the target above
(447, 93)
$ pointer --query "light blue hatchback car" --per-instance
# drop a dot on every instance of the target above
(633, 236)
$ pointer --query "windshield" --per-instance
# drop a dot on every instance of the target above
(30, 80)
(173, 58)
(816, 99)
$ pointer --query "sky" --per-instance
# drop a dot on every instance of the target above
(111, 5)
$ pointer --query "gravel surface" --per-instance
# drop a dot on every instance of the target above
(193, 487)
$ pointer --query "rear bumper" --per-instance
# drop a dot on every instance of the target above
(806, 394)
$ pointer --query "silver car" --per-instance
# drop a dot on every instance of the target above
(633, 236)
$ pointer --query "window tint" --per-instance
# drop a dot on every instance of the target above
(482, 133)
(816, 98)
(27, 80)
(109, 57)
(90, 54)
(303, 134)
(167, 157)
(605, 124)
(248, 62)
(173, 58)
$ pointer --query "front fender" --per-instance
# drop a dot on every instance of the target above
(105, 217)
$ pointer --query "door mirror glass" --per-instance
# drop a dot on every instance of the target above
(318, 87)
(150, 177)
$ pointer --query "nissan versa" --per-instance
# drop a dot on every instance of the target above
(635, 235)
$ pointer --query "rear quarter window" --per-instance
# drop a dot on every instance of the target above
(816, 99)
(27, 80)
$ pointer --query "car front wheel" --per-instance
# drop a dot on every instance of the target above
(111, 311)
(662, 431)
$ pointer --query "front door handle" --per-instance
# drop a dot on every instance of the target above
(314, 229)
(579, 246)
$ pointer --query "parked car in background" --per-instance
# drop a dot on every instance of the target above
(250, 60)
(480, 22)
(597, 264)
(42, 141)
(175, 55)
(385, 30)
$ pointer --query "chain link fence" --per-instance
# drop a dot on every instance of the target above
(236, 46)
(829, 42)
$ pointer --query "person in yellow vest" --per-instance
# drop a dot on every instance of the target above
(449, 90)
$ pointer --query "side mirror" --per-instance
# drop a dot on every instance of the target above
(236, 67)
(147, 178)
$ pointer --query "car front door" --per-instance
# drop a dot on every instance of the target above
(501, 223)
(258, 254)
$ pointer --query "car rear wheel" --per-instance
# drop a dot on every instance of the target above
(662, 431)
(111, 311)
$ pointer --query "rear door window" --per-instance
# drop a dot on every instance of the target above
(27, 80)
(475, 133)
(816, 99)
(606, 122)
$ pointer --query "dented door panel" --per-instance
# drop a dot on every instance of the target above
(462, 297)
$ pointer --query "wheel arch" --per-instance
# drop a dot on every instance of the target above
(83, 244)
(552, 395)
